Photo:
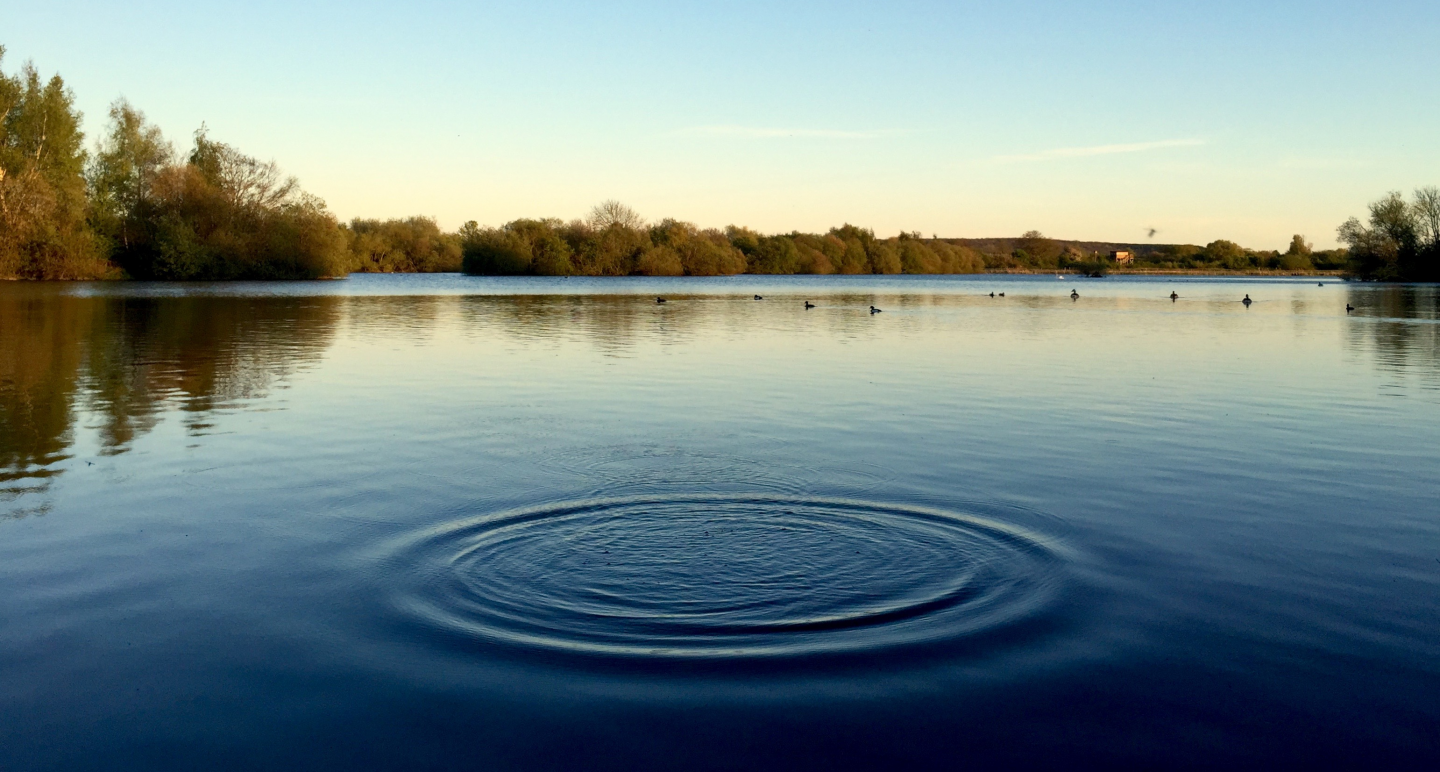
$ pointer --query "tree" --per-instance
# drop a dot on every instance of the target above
(1227, 254)
(43, 231)
(122, 172)
(1298, 256)
(1298, 246)
(1038, 251)
(1402, 241)
(1427, 215)
(612, 213)
(225, 215)
(411, 245)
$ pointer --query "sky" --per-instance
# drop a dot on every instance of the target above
(1249, 121)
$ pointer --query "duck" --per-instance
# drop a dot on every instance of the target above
(659, 300)
(1074, 294)
(1349, 308)
(1320, 284)
(992, 294)
(809, 305)
(874, 310)
(1173, 296)
(1247, 301)
(757, 297)
(1002, 294)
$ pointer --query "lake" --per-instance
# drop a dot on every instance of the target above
(441, 522)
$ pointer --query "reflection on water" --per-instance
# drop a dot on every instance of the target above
(125, 361)
(127, 358)
(402, 522)
(1399, 326)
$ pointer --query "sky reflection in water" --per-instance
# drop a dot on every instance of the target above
(419, 521)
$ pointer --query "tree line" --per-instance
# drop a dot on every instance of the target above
(1401, 241)
(615, 241)
(135, 207)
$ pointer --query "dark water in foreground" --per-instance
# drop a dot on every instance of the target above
(445, 523)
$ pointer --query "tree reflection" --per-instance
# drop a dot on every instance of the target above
(124, 361)
(1401, 325)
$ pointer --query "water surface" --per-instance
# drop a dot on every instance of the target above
(438, 522)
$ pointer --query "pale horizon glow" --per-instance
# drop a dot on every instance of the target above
(757, 132)
(1085, 152)
(1227, 120)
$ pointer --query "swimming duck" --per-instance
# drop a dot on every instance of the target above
(1247, 301)
(1321, 284)
(874, 310)
(809, 305)
(1173, 296)
(1074, 294)
(757, 297)
(992, 294)
(1349, 308)
(659, 300)
(1002, 294)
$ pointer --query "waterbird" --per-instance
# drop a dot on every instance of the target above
(1173, 296)
(874, 310)
(1349, 308)
(1002, 294)
(809, 305)
(659, 300)
(1074, 294)
(1247, 301)
(1321, 284)
(992, 294)
(757, 297)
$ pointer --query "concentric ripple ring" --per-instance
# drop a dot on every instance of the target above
(725, 575)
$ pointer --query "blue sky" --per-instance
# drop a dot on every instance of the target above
(1242, 120)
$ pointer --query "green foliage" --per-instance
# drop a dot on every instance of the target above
(1402, 240)
(1297, 257)
(220, 215)
(122, 172)
(412, 245)
(43, 232)
(521, 247)
(1228, 255)
(614, 241)
(1034, 250)
(774, 254)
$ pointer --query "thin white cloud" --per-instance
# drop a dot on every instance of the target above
(758, 132)
(1094, 150)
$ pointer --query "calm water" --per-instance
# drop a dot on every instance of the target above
(442, 522)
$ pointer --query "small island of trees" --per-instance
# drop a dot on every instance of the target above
(134, 207)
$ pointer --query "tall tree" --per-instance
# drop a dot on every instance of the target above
(122, 172)
(43, 232)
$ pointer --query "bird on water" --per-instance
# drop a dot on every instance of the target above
(1074, 294)
(992, 294)
(1002, 294)
(757, 297)
(1247, 301)
(1349, 308)
(809, 305)
(874, 310)
(1173, 296)
(659, 300)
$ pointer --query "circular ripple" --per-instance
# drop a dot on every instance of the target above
(725, 575)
